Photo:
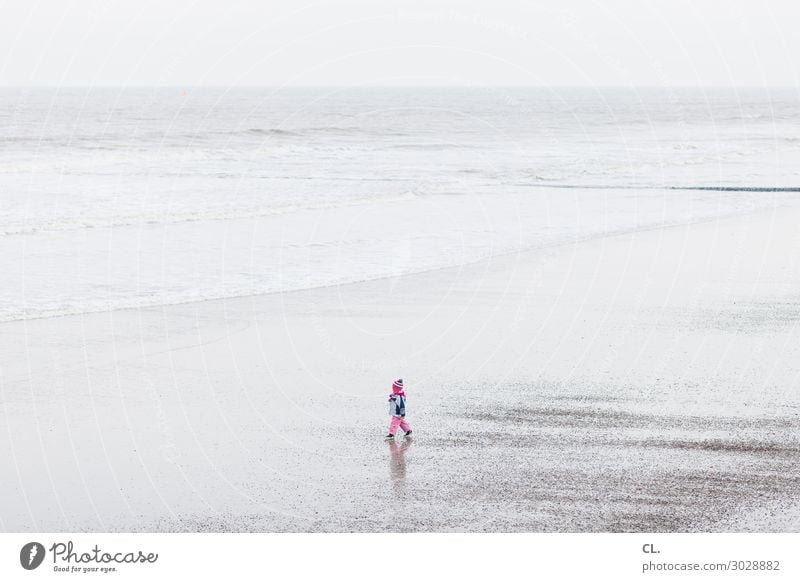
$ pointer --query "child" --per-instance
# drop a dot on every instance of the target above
(397, 410)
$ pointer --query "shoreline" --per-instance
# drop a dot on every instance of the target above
(543, 397)
(499, 256)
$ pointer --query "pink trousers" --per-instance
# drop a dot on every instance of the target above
(397, 421)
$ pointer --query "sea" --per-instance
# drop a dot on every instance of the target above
(117, 198)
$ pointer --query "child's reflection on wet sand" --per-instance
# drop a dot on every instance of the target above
(397, 463)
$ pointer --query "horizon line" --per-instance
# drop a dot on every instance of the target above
(411, 86)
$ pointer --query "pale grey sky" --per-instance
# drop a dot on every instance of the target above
(404, 42)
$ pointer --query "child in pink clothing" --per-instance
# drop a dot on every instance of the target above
(397, 410)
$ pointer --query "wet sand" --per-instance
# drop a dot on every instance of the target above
(641, 382)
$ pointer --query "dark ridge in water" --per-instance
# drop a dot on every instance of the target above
(270, 131)
(740, 188)
(652, 187)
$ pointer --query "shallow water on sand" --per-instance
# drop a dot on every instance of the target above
(658, 397)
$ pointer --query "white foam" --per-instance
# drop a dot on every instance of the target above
(140, 199)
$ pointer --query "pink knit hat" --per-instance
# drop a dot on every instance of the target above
(397, 386)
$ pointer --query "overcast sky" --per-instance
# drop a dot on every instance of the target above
(405, 42)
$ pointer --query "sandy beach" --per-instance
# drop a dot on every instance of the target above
(645, 381)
